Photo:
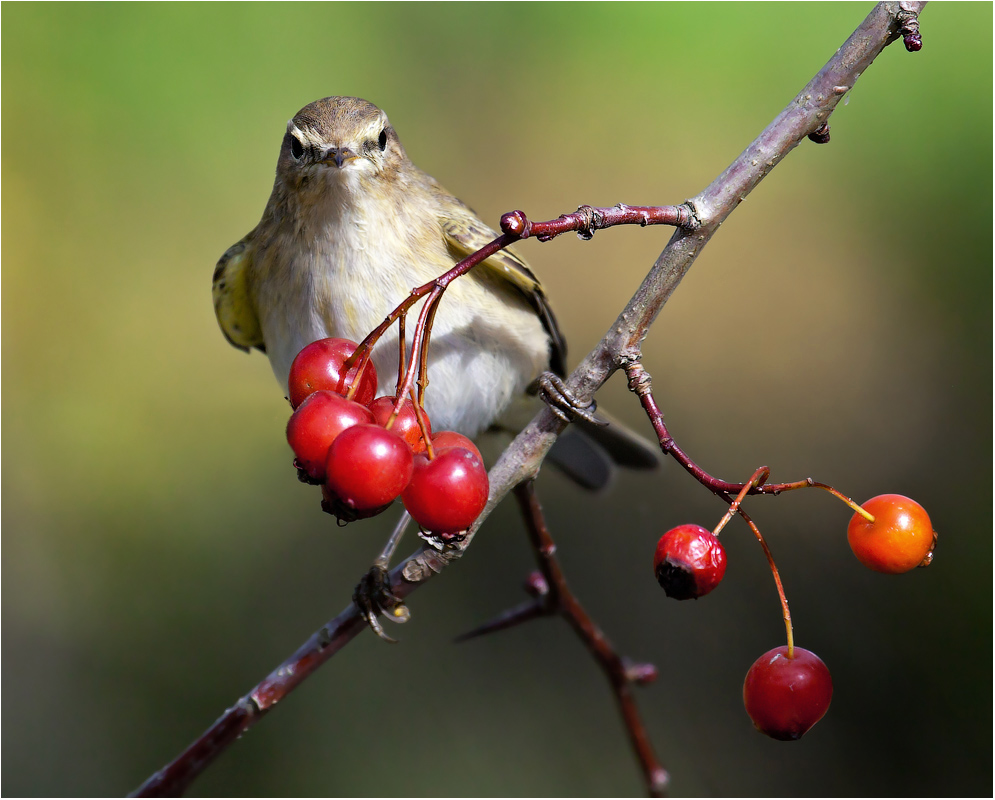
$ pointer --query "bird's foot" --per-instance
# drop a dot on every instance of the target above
(373, 597)
(561, 401)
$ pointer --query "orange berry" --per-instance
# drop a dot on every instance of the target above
(898, 540)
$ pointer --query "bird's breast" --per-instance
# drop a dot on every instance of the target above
(355, 267)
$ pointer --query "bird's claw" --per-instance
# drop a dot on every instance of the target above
(561, 401)
(373, 597)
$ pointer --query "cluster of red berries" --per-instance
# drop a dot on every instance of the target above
(788, 689)
(363, 460)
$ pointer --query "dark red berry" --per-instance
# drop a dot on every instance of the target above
(321, 365)
(368, 466)
(447, 494)
(315, 424)
(689, 562)
(405, 424)
(786, 696)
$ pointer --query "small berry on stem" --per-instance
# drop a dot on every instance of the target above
(899, 536)
(447, 494)
(368, 467)
(786, 693)
(689, 562)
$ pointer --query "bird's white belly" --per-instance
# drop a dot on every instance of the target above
(483, 351)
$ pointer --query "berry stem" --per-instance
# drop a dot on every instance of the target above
(417, 344)
(358, 360)
(423, 362)
(420, 416)
(777, 581)
(641, 384)
(402, 345)
(855, 506)
(759, 477)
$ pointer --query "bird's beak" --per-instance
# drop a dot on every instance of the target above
(338, 156)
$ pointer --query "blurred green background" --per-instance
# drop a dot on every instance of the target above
(160, 557)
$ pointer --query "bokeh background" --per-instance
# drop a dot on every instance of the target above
(160, 557)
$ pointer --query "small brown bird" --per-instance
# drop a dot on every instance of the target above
(350, 228)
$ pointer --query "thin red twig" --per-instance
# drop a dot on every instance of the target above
(641, 384)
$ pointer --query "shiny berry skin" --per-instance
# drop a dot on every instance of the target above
(321, 365)
(368, 466)
(786, 696)
(406, 424)
(315, 424)
(898, 540)
(447, 494)
(689, 562)
(446, 439)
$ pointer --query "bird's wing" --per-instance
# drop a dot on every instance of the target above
(232, 301)
(465, 234)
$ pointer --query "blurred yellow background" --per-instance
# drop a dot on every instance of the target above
(160, 557)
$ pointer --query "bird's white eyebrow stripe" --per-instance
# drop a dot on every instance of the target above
(308, 137)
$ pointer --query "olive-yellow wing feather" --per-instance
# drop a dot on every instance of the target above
(232, 299)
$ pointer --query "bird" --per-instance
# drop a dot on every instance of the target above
(351, 226)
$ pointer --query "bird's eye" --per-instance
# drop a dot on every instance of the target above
(296, 148)
(382, 141)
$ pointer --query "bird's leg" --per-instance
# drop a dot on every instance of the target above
(555, 394)
(373, 594)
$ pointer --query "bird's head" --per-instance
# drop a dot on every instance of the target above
(342, 140)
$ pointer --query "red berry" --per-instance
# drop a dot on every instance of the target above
(786, 696)
(900, 538)
(315, 424)
(406, 424)
(446, 439)
(689, 562)
(321, 365)
(368, 466)
(447, 494)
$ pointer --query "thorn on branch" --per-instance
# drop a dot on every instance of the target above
(508, 619)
